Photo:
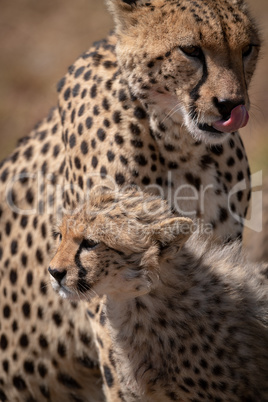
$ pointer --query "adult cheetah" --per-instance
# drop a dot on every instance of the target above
(45, 355)
(188, 321)
(154, 105)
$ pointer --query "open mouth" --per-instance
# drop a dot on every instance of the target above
(210, 129)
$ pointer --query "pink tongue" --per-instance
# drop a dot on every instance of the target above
(239, 118)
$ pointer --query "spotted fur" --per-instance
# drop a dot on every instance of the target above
(187, 322)
(126, 114)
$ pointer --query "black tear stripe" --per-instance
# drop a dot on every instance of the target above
(194, 94)
(82, 285)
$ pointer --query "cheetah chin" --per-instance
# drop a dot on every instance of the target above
(62, 290)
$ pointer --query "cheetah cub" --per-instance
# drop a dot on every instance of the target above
(188, 321)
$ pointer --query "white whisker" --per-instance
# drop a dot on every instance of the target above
(174, 110)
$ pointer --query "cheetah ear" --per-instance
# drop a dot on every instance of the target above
(237, 2)
(241, 4)
(125, 5)
(172, 231)
(123, 12)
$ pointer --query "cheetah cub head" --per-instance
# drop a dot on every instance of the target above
(189, 61)
(114, 244)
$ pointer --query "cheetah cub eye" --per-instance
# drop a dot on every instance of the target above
(57, 236)
(88, 244)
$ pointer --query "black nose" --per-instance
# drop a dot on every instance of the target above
(58, 275)
(225, 106)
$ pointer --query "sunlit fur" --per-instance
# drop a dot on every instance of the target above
(179, 86)
(169, 300)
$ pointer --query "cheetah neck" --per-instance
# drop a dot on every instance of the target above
(154, 335)
(133, 323)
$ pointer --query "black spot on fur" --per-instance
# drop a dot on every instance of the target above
(217, 149)
(141, 160)
(108, 376)
(139, 113)
(223, 214)
(19, 383)
(68, 381)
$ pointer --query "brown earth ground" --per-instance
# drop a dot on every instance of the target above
(40, 39)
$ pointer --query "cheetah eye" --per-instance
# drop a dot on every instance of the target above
(247, 50)
(192, 51)
(57, 236)
(88, 244)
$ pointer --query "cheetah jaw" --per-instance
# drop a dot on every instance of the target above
(204, 132)
(217, 131)
(62, 290)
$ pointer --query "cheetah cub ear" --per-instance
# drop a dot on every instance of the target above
(172, 232)
(165, 237)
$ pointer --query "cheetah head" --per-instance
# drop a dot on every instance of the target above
(189, 61)
(113, 246)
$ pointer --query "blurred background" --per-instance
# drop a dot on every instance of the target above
(40, 39)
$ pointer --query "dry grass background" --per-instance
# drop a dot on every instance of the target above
(39, 39)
